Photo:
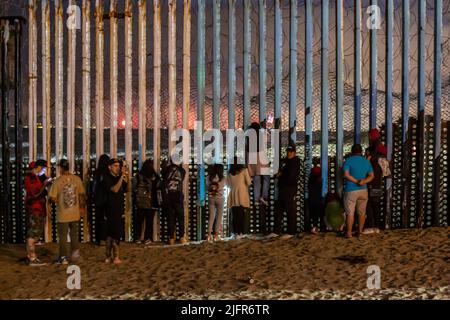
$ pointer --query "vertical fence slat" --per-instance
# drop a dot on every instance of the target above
(59, 78)
(113, 57)
(216, 64)
(308, 88)
(437, 107)
(200, 110)
(324, 98)
(156, 82)
(32, 80)
(357, 94)
(186, 96)
(71, 83)
(389, 103)
(293, 74)
(421, 113)
(172, 71)
(278, 63)
(373, 74)
(86, 71)
(339, 93)
(247, 61)
(46, 84)
(262, 62)
(142, 56)
(128, 108)
(99, 60)
(231, 63)
(405, 109)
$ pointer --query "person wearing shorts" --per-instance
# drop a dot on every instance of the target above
(358, 172)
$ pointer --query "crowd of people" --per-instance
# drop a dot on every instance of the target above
(153, 192)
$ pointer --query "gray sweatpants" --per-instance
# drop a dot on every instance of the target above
(215, 205)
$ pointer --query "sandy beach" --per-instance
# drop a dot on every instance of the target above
(414, 264)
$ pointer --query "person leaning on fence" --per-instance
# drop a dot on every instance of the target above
(358, 172)
(215, 183)
(288, 177)
(239, 181)
(115, 186)
(261, 179)
(173, 176)
(70, 197)
(36, 181)
(145, 199)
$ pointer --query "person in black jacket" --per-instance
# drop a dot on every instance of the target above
(288, 176)
(145, 199)
(115, 186)
(98, 197)
(173, 176)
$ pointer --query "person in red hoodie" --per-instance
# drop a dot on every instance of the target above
(36, 181)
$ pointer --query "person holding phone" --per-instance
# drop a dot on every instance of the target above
(115, 184)
(36, 182)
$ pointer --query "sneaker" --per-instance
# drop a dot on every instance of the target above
(272, 235)
(148, 241)
(171, 242)
(217, 237)
(62, 261)
(39, 243)
(36, 263)
(315, 231)
(184, 240)
(138, 242)
(209, 238)
(286, 236)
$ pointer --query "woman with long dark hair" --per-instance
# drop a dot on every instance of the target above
(144, 192)
(99, 197)
(215, 184)
(239, 199)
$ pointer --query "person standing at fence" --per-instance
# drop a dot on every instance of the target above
(173, 176)
(98, 197)
(239, 181)
(288, 177)
(358, 172)
(115, 184)
(215, 185)
(375, 188)
(36, 181)
(315, 206)
(70, 197)
(144, 187)
(259, 173)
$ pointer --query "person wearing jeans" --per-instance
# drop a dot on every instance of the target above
(215, 185)
(70, 196)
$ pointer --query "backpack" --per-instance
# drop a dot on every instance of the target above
(143, 193)
(174, 181)
(385, 166)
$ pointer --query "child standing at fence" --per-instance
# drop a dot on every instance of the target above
(215, 185)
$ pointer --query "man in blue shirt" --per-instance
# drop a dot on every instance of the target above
(358, 172)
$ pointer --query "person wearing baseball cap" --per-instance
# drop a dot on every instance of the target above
(35, 184)
(70, 197)
(288, 178)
